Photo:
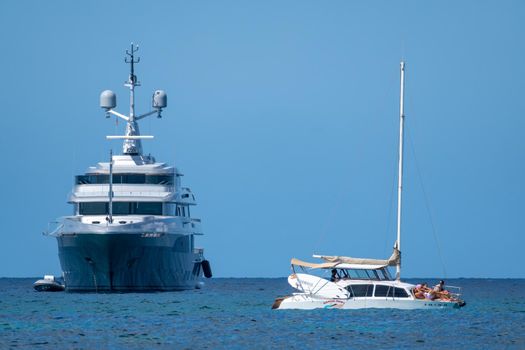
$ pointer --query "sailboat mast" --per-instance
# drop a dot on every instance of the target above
(400, 169)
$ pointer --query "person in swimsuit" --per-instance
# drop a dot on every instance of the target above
(437, 291)
(420, 290)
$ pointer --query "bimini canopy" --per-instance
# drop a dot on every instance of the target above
(394, 260)
(327, 265)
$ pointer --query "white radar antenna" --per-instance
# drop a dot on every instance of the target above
(108, 100)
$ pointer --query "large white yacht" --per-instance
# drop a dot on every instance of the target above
(132, 228)
(356, 283)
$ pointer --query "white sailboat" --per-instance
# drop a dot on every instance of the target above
(357, 283)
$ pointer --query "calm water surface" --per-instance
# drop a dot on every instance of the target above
(235, 313)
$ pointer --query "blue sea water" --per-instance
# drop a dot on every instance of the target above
(236, 313)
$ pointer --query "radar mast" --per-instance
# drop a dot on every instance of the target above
(132, 146)
(108, 100)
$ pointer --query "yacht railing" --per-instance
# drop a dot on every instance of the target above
(57, 225)
(126, 193)
(454, 291)
(199, 251)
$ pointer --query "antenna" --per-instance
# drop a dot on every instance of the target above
(131, 60)
(108, 100)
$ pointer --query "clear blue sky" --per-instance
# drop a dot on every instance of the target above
(283, 115)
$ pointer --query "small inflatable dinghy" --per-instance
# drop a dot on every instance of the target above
(48, 284)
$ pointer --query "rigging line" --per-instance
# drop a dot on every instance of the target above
(434, 232)
(390, 211)
(383, 109)
(331, 216)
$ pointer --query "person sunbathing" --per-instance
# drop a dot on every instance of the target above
(435, 293)
(439, 292)
(445, 295)
(439, 287)
(420, 290)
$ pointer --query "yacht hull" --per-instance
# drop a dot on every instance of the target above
(128, 262)
(309, 302)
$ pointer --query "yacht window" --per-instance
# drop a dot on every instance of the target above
(147, 208)
(360, 290)
(352, 274)
(388, 291)
(400, 293)
(358, 274)
(121, 208)
(361, 274)
(125, 179)
(169, 209)
(92, 179)
(372, 274)
(129, 179)
(383, 291)
(383, 275)
(95, 208)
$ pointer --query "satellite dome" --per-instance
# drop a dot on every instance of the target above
(160, 99)
(108, 99)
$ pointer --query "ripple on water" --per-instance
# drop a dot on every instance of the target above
(235, 313)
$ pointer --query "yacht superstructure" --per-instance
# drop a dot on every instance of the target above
(131, 229)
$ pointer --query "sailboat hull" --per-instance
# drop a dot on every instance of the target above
(308, 302)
